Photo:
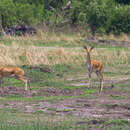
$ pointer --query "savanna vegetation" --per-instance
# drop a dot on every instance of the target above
(100, 16)
(55, 62)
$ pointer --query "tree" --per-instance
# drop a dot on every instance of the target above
(123, 1)
(7, 13)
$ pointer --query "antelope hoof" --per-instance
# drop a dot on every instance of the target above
(89, 86)
(99, 94)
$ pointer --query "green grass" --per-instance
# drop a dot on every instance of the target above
(40, 43)
(34, 98)
(14, 119)
(42, 127)
(117, 97)
(118, 122)
(51, 109)
(57, 78)
(55, 43)
(67, 125)
(39, 78)
(45, 98)
(11, 110)
(62, 43)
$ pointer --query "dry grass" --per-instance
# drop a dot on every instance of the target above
(31, 55)
(47, 37)
(19, 54)
(52, 36)
(122, 37)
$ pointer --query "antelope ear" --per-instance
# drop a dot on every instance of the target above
(85, 47)
(92, 47)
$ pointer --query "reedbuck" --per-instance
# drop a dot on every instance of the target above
(15, 72)
(94, 66)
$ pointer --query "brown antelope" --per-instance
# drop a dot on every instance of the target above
(15, 72)
(94, 66)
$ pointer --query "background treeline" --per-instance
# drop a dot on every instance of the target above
(103, 16)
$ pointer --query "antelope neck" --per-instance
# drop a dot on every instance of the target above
(88, 62)
(88, 58)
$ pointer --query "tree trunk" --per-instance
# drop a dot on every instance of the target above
(46, 4)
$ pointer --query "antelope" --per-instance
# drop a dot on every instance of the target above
(94, 66)
(16, 72)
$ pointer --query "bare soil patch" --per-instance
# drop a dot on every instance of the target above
(94, 106)
(11, 90)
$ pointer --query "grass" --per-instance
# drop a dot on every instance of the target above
(66, 125)
(54, 62)
(45, 98)
(13, 119)
(30, 54)
(60, 77)
(47, 80)
(43, 127)
(117, 97)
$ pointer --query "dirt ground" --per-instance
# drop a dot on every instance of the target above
(108, 42)
(97, 106)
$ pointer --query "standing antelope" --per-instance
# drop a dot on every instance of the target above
(15, 72)
(94, 66)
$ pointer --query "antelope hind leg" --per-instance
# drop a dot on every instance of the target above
(101, 82)
(29, 85)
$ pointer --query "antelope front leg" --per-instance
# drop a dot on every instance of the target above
(101, 86)
(89, 82)
(0, 82)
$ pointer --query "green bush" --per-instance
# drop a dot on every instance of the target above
(101, 16)
(120, 20)
(12, 13)
(123, 1)
(7, 13)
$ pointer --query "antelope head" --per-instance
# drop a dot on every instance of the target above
(88, 49)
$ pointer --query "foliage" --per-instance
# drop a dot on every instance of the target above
(123, 1)
(93, 13)
(12, 13)
(7, 13)
(102, 16)
(120, 20)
